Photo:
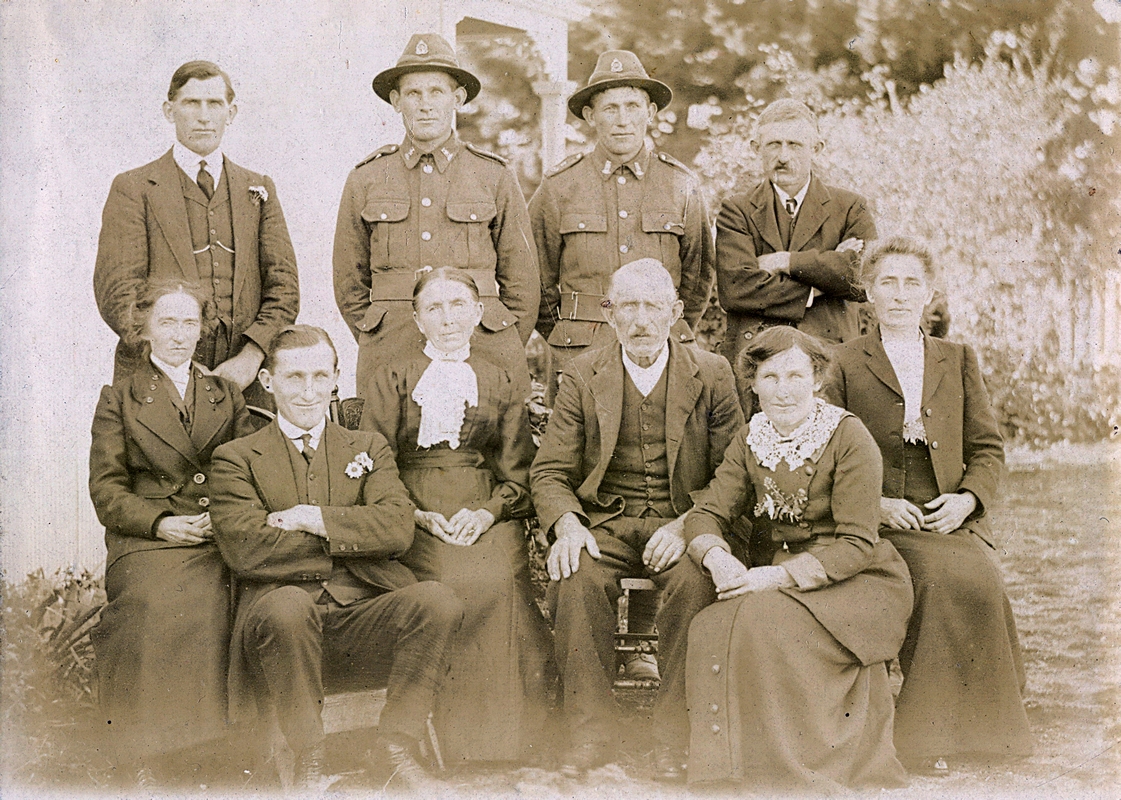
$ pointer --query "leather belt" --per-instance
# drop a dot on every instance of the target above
(582, 306)
(398, 284)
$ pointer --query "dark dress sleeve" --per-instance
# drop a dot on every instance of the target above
(509, 451)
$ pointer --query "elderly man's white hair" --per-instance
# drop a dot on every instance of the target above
(649, 272)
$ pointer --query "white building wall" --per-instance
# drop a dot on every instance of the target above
(81, 85)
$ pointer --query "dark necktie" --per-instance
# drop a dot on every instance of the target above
(791, 208)
(308, 451)
(205, 181)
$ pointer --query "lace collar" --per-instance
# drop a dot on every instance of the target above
(444, 392)
(805, 444)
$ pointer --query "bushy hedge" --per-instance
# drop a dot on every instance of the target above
(1004, 169)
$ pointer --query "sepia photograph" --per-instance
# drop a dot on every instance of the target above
(557, 399)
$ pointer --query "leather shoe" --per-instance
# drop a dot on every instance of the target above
(641, 667)
(669, 764)
(583, 757)
(406, 771)
(310, 768)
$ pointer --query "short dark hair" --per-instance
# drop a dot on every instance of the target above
(445, 274)
(297, 337)
(897, 246)
(771, 343)
(198, 70)
(149, 293)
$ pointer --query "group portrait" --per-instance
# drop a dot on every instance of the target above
(633, 399)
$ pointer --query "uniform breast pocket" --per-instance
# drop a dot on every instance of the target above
(472, 244)
(380, 215)
(583, 233)
(669, 227)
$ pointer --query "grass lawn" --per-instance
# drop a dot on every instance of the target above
(1061, 529)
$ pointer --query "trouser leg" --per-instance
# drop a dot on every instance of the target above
(400, 639)
(283, 645)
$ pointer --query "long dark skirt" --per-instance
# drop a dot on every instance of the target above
(492, 706)
(775, 702)
(962, 667)
(162, 649)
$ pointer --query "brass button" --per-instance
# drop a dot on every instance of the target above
(426, 201)
(505, 323)
(748, 335)
(934, 445)
(715, 708)
(311, 476)
(683, 337)
(204, 501)
(623, 248)
(385, 216)
(213, 232)
(200, 478)
(427, 169)
(929, 412)
(147, 399)
(716, 729)
(580, 225)
(152, 387)
(621, 179)
(212, 401)
(208, 387)
(623, 215)
(715, 669)
(566, 341)
(474, 216)
(425, 235)
(666, 226)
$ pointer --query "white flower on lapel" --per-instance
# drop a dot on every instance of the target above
(361, 464)
(259, 194)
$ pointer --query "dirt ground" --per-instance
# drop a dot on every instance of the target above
(1061, 553)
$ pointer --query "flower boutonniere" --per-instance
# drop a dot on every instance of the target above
(361, 464)
(259, 194)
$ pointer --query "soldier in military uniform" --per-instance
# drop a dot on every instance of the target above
(621, 202)
(432, 201)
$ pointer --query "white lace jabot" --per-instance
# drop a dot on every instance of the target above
(445, 390)
(804, 444)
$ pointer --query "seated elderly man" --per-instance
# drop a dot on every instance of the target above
(636, 427)
(311, 517)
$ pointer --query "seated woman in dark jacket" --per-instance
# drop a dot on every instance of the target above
(463, 445)
(925, 404)
(162, 642)
(787, 682)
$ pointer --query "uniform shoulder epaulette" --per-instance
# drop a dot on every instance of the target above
(389, 149)
(562, 166)
(666, 158)
(485, 153)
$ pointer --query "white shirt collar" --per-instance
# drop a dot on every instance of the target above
(798, 198)
(294, 432)
(646, 378)
(188, 161)
(180, 376)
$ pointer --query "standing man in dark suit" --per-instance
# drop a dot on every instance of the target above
(636, 427)
(311, 518)
(788, 251)
(618, 203)
(194, 214)
(433, 201)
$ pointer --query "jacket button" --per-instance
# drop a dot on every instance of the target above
(715, 708)
(929, 413)
(809, 470)
(683, 337)
(621, 180)
(152, 387)
(667, 226)
(580, 225)
(426, 236)
(716, 729)
(204, 501)
(623, 248)
(748, 335)
(934, 445)
(385, 216)
(474, 217)
(505, 323)
(147, 399)
(212, 401)
(622, 215)
(208, 387)
(200, 478)
(426, 201)
(567, 340)
(715, 669)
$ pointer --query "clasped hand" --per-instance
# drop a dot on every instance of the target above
(463, 529)
(185, 530)
(306, 518)
(947, 513)
(732, 578)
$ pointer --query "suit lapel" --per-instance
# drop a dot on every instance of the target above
(341, 450)
(245, 218)
(167, 201)
(209, 417)
(158, 414)
(682, 390)
(763, 215)
(606, 387)
(934, 368)
(272, 470)
(879, 364)
(812, 216)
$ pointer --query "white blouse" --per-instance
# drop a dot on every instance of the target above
(906, 357)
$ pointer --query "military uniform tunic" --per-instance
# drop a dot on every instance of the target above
(404, 211)
(590, 216)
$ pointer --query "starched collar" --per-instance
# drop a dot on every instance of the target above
(799, 198)
(188, 161)
(638, 165)
(294, 432)
(441, 156)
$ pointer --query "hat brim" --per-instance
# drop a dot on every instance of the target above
(660, 94)
(385, 82)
